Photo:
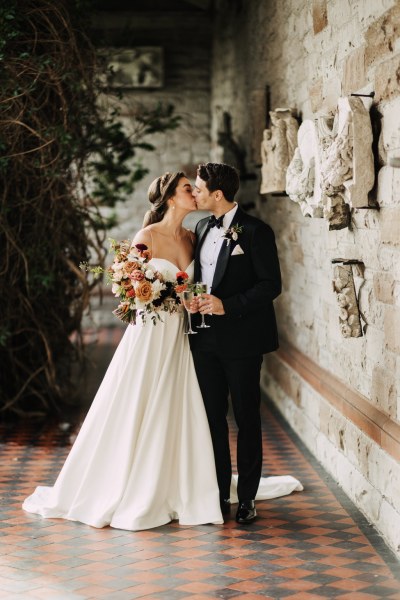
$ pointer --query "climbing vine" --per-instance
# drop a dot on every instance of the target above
(62, 157)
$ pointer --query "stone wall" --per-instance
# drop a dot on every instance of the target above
(185, 37)
(342, 396)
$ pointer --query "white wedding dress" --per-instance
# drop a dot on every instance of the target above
(144, 456)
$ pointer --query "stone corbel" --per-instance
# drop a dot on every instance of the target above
(347, 280)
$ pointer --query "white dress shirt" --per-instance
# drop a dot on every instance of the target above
(211, 247)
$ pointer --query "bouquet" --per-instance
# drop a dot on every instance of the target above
(142, 290)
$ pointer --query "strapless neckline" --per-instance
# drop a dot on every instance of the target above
(173, 264)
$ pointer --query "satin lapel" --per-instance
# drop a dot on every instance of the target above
(197, 265)
(225, 252)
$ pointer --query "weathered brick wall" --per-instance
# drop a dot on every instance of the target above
(310, 53)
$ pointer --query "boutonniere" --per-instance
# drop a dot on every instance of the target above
(232, 233)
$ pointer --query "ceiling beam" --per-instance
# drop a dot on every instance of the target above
(204, 4)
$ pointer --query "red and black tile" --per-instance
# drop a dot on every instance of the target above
(309, 545)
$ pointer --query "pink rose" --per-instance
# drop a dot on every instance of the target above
(137, 275)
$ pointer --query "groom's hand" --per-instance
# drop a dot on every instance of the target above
(211, 305)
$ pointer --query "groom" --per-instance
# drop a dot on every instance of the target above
(236, 256)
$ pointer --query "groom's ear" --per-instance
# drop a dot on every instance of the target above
(218, 195)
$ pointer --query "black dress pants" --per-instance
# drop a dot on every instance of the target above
(240, 377)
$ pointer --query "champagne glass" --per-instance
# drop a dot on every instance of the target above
(187, 297)
(201, 288)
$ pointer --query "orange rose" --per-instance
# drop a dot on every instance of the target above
(144, 291)
(126, 284)
(143, 251)
(130, 293)
(180, 288)
(131, 266)
(146, 254)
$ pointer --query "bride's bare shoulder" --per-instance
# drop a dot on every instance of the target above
(143, 236)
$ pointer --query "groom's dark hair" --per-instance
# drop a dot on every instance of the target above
(219, 176)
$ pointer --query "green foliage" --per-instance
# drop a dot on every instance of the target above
(113, 172)
(62, 156)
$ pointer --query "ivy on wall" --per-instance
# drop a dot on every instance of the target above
(62, 157)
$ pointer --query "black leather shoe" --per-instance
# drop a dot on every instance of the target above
(225, 507)
(246, 513)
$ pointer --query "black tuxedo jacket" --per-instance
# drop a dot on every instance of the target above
(247, 285)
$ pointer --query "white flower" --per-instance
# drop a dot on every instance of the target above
(117, 266)
(234, 236)
(149, 274)
(117, 275)
(157, 287)
(115, 290)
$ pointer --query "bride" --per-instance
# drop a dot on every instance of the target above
(144, 455)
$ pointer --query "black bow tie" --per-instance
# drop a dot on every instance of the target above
(214, 222)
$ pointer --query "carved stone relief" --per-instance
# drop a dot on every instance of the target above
(346, 296)
(303, 173)
(335, 210)
(277, 150)
(337, 152)
(349, 162)
(268, 164)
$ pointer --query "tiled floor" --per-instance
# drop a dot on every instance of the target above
(309, 545)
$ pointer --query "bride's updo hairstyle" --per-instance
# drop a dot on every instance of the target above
(160, 191)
